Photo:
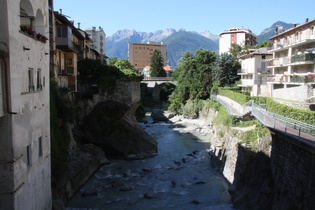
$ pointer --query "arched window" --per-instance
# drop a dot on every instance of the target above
(26, 14)
(39, 22)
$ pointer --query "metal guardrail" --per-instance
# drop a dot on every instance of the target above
(270, 119)
(273, 120)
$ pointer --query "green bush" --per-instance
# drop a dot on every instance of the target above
(189, 109)
(286, 111)
(61, 114)
(235, 96)
(224, 118)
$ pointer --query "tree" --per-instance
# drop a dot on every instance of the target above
(194, 78)
(225, 70)
(157, 65)
(122, 63)
(111, 61)
(235, 50)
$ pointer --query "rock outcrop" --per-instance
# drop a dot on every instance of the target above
(112, 126)
(82, 163)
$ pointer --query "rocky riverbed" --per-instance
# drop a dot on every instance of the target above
(180, 176)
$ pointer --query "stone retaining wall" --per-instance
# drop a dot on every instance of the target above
(292, 164)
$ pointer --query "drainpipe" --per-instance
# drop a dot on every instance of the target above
(6, 84)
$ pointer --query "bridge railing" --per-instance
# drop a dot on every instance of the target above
(274, 120)
(158, 78)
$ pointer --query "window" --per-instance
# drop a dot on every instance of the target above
(39, 80)
(30, 80)
(29, 155)
(40, 147)
(26, 14)
(69, 62)
(62, 31)
(263, 66)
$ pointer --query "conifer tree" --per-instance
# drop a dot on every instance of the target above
(157, 65)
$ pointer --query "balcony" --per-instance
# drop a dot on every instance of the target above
(244, 71)
(303, 58)
(292, 42)
(296, 78)
(263, 71)
(251, 82)
(303, 79)
(64, 37)
(278, 62)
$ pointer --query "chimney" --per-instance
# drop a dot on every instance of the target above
(60, 11)
(294, 25)
(306, 20)
(79, 25)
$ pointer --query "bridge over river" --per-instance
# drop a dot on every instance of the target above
(155, 85)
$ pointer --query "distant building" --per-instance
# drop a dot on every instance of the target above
(254, 71)
(146, 71)
(140, 54)
(98, 36)
(238, 36)
(293, 63)
(25, 166)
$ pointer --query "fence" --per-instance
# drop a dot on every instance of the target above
(270, 119)
(280, 122)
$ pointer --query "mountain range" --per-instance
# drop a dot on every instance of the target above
(178, 41)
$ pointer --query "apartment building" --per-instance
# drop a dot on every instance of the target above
(69, 43)
(139, 54)
(238, 36)
(293, 63)
(25, 174)
(254, 71)
(98, 36)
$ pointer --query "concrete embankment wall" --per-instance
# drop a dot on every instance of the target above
(292, 163)
(278, 173)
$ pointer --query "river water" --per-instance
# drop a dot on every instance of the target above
(180, 176)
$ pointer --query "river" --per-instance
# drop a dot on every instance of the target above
(180, 176)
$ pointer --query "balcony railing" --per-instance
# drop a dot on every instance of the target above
(303, 57)
(292, 78)
(281, 61)
(295, 40)
(250, 82)
(244, 71)
(263, 71)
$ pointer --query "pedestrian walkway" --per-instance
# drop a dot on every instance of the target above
(233, 107)
(304, 132)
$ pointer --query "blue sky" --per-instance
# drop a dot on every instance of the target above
(194, 15)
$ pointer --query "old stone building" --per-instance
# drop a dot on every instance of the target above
(25, 174)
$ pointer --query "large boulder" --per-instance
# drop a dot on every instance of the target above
(112, 126)
(158, 115)
(83, 162)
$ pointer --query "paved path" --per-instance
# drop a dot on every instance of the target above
(235, 108)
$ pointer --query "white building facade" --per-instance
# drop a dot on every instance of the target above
(25, 174)
(98, 36)
(238, 36)
(293, 63)
(254, 72)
